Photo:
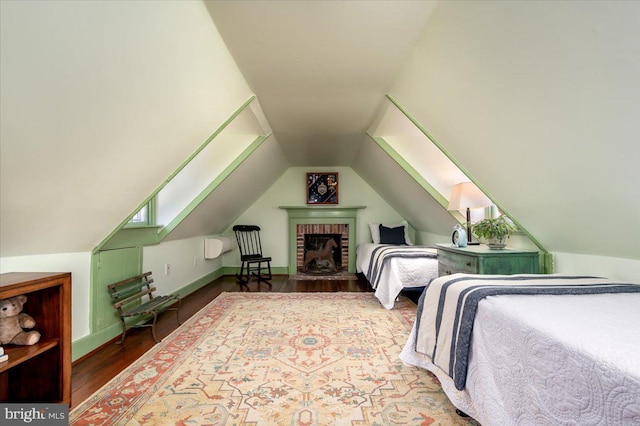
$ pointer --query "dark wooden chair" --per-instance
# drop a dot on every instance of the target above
(254, 263)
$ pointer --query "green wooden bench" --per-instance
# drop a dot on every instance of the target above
(129, 300)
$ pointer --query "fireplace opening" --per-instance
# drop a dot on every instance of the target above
(314, 237)
(322, 254)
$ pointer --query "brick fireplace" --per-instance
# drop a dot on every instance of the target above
(313, 238)
(336, 221)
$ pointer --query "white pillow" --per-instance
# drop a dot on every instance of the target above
(375, 231)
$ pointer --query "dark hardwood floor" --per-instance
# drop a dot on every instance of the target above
(91, 372)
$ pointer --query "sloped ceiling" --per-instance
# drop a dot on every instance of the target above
(217, 212)
(527, 109)
(320, 68)
(401, 191)
(100, 102)
(537, 100)
(540, 101)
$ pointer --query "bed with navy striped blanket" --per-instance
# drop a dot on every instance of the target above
(391, 268)
(532, 349)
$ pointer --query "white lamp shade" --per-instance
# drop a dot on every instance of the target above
(467, 195)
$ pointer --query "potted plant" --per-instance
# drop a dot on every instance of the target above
(494, 230)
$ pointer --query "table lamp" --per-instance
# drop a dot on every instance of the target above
(468, 195)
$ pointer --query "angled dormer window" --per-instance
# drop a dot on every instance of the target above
(431, 165)
(146, 216)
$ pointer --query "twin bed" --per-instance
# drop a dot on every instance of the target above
(570, 355)
(391, 268)
(392, 263)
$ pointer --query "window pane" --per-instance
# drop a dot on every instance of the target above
(140, 217)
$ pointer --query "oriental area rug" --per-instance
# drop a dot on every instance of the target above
(277, 359)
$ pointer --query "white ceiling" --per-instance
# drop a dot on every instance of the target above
(320, 69)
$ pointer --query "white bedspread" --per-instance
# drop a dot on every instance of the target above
(550, 360)
(400, 272)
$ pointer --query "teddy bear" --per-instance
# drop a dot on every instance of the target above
(13, 320)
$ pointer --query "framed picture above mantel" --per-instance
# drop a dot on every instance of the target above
(322, 188)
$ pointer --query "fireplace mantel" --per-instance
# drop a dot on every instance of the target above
(302, 215)
(333, 211)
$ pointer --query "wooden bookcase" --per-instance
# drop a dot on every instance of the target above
(41, 372)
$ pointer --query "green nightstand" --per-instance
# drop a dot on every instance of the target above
(482, 260)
